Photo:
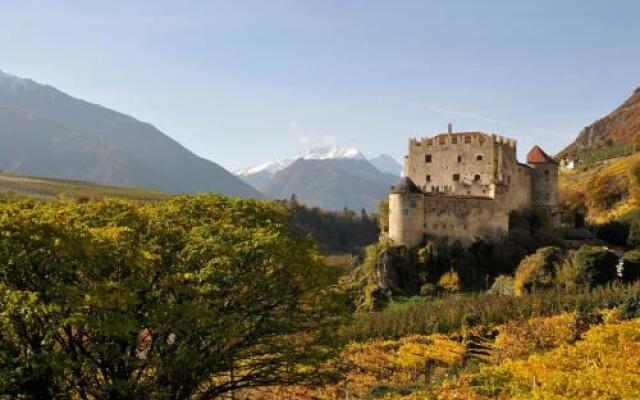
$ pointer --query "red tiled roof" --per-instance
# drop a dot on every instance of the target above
(538, 156)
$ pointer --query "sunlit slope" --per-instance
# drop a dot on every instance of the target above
(52, 188)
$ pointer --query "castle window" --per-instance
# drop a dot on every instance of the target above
(509, 179)
(427, 158)
(479, 157)
(454, 140)
(428, 178)
(459, 159)
(546, 175)
(456, 177)
(467, 139)
(476, 178)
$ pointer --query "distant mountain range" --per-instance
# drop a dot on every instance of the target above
(621, 126)
(46, 132)
(386, 163)
(327, 177)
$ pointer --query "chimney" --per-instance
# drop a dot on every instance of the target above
(450, 127)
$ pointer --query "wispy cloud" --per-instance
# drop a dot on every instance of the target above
(469, 115)
(293, 125)
(304, 140)
(480, 117)
(492, 120)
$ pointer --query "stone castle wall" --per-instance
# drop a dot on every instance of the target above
(463, 164)
(470, 184)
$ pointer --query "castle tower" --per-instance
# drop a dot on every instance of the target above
(406, 213)
(544, 181)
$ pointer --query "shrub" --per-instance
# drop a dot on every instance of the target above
(503, 285)
(614, 232)
(520, 338)
(566, 275)
(537, 270)
(634, 234)
(594, 265)
(428, 290)
(631, 266)
(450, 282)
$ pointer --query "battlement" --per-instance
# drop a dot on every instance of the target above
(463, 138)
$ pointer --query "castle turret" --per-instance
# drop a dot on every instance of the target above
(406, 213)
(544, 181)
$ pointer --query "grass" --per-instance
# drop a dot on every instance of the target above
(47, 188)
(450, 313)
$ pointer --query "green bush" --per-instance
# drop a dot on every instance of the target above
(594, 265)
(537, 270)
(631, 266)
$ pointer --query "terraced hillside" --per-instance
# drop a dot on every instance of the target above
(609, 179)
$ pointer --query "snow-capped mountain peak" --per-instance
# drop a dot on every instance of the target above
(334, 152)
(269, 166)
(317, 153)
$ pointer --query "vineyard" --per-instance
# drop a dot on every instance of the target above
(51, 188)
(580, 354)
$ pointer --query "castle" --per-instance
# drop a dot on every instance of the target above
(465, 185)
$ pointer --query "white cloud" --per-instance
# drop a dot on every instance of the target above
(293, 125)
(304, 140)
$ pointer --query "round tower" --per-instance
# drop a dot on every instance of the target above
(544, 182)
(406, 214)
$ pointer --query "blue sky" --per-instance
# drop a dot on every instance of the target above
(242, 82)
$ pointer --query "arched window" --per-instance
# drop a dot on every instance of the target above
(476, 178)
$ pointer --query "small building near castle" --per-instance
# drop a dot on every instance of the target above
(465, 185)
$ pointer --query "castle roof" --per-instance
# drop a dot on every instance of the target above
(405, 186)
(538, 156)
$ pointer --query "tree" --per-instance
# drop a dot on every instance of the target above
(634, 180)
(634, 234)
(537, 270)
(190, 298)
(594, 265)
(631, 266)
(450, 282)
(383, 215)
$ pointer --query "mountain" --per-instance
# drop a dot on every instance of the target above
(48, 133)
(622, 126)
(259, 175)
(386, 163)
(332, 183)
